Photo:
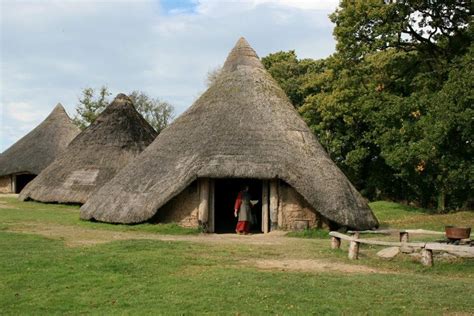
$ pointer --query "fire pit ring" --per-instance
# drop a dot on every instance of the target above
(457, 233)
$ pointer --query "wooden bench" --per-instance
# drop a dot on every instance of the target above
(426, 247)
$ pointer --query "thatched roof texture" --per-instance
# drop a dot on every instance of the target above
(117, 136)
(243, 126)
(37, 149)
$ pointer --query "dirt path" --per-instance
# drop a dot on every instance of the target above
(74, 236)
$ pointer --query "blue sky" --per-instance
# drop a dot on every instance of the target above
(178, 6)
(51, 49)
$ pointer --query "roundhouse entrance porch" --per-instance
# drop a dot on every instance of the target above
(217, 198)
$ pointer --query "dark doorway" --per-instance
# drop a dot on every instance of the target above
(22, 180)
(225, 194)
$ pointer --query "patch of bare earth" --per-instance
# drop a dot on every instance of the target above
(311, 265)
(74, 236)
(4, 204)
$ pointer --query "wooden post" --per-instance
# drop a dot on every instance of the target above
(335, 242)
(212, 210)
(13, 183)
(427, 257)
(356, 235)
(203, 215)
(404, 236)
(353, 250)
(265, 207)
(274, 204)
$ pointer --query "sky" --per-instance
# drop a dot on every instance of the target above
(50, 50)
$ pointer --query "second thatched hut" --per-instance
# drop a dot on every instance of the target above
(117, 136)
(242, 131)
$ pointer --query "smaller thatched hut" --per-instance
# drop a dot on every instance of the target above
(25, 159)
(117, 136)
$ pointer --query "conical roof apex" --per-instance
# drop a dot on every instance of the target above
(242, 55)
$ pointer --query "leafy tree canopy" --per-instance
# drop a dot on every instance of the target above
(157, 112)
(393, 105)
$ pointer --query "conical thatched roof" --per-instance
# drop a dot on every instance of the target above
(37, 149)
(117, 136)
(243, 126)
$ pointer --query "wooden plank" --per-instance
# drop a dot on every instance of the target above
(375, 232)
(446, 247)
(265, 207)
(377, 242)
(416, 245)
(341, 236)
(422, 232)
(396, 231)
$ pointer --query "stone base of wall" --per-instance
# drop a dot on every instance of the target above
(182, 209)
(6, 184)
(294, 213)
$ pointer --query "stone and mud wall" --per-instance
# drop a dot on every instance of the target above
(182, 209)
(294, 213)
(6, 184)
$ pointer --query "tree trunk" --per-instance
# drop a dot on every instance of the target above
(441, 200)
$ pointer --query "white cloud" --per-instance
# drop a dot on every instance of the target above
(51, 50)
(219, 7)
(23, 112)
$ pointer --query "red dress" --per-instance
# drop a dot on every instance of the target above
(242, 205)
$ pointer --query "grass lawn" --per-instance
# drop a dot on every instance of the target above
(164, 269)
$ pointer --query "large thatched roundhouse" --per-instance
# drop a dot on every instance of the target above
(117, 136)
(242, 130)
(25, 159)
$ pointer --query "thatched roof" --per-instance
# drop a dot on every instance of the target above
(117, 136)
(37, 149)
(243, 126)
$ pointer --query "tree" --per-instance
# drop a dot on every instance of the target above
(212, 75)
(156, 112)
(291, 73)
(393, 105)
(90, 106)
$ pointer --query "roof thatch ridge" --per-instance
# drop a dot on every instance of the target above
(117, 136)
(242, 55)
(243, 126)
(37, 149)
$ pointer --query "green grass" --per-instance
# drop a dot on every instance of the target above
(41, 275)
(21, 212)
(394, 215)
(310, 233)
(147, 277)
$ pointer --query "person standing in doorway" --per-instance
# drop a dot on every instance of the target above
(242, 210)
